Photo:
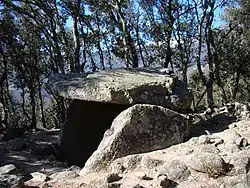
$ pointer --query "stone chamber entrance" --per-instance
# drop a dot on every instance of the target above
(83, 131)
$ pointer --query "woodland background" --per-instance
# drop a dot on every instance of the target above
(206, 41)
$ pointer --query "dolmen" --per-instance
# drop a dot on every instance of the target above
(115, 113)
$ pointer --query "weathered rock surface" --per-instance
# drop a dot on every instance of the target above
(124, 86)
(9, 177)
(11, 181)
(7, 169)
(18, 163)
(192, 164)
(141, 128)
(169, 167)
(209, 163)
(176, 170)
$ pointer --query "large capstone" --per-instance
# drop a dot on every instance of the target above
(141, 128)
(124, 86)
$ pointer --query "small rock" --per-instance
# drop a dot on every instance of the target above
(233, 125)
(231, 148)
(240, 181)
(75, 168)
(149, 163)
(175, 170)
(204, 139)
(229, 136)
(131, 162)
(11, 181)
(117, 167)
(163, 182)
(209, 163)
(7, 169)
(240, 164)
(207, 148)
(241, 142)
(39, 177)
(64, 175)
(113, 177)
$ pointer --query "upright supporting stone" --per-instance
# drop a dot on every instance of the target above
(141, 128)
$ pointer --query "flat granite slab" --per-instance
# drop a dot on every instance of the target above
(123, 86)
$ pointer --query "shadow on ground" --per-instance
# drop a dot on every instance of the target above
(217, 123)
(32, 153)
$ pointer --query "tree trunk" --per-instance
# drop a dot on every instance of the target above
(41, 102)
(33, 108)
(77, 66)
(130, 50)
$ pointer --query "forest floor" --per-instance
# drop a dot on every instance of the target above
(35, 164)
(33, 152)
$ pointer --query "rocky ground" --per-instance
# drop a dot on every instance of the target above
(30, 152)
(216, 156)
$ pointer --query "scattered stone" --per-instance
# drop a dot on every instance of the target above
(75, 168)
(241, 164)
(64, 175)
(163, 182)
(8, 169)
(149, 163)
(231, 126)
(175, 170)
(204, 139)
(39, 177)
(141, 128)
(208, 148)
(241, 111)
(132, 162)
(230, 148)
(241, 142)
(240, 181)
(117, 167)
(113, 178)
(209, 163)
(11, 181)
(229, 136)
